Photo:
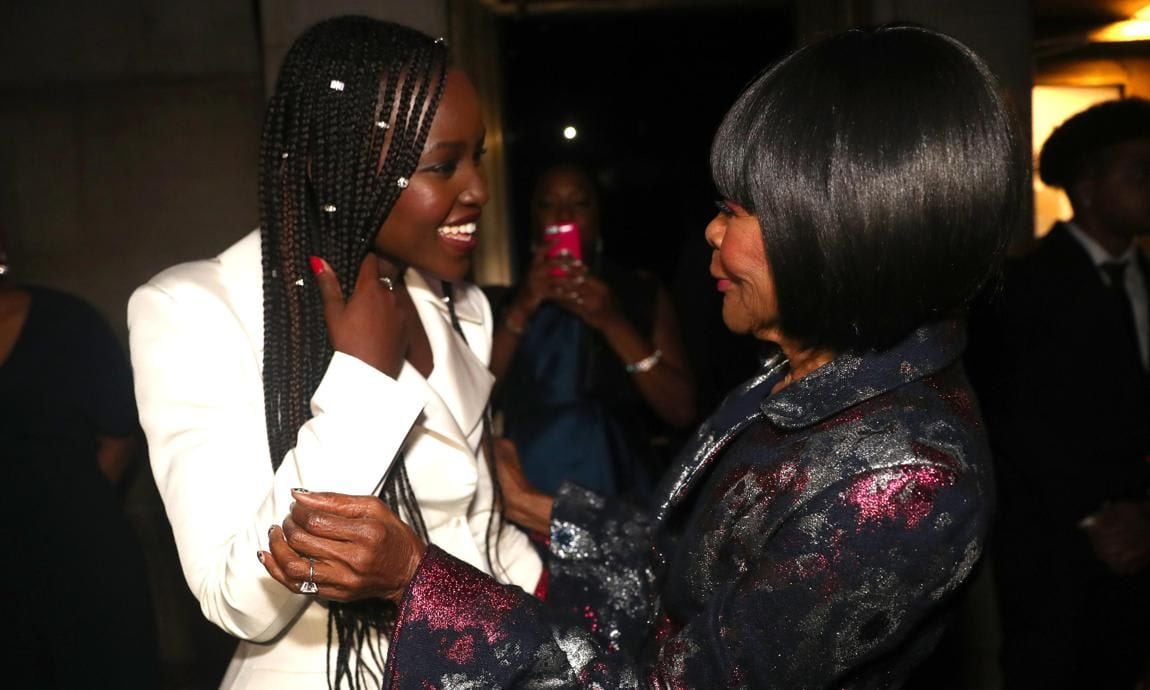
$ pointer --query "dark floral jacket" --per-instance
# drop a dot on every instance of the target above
(809, 539)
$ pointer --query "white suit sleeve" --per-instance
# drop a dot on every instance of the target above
(200, 394)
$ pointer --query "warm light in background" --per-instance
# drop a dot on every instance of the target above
(570, 132)
(1136, 28)
(1051, 106)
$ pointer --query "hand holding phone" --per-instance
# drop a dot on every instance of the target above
(564, 246)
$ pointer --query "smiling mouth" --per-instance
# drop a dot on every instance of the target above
(459, 233)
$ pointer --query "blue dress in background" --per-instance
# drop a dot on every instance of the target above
(569, 405)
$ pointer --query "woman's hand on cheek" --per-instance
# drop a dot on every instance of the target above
(369, 325)
(352, 547)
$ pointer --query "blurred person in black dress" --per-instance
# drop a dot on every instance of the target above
(74, 569)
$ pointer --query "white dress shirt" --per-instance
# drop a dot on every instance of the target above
(1133, 279)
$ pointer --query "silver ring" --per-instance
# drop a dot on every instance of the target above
(387, 283)
(308, 586)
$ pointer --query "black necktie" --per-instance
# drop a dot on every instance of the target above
(1116, 273)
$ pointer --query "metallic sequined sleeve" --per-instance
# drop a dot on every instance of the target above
(601, 565)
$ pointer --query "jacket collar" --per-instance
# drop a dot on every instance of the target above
(430, 291)
(847, 380)
(460, 381)
(851, 378)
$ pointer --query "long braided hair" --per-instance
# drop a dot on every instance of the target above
(350, 115)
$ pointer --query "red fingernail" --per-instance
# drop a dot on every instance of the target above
(316, 265)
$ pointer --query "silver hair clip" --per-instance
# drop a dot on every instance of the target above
(382, 124)
(299, 282)
(402, 182)
(284, 155)
(336, 85)
(328, 208)
(441, 41)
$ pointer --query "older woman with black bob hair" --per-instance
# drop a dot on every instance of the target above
(818, 526)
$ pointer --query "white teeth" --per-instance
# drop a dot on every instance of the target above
(457, 231)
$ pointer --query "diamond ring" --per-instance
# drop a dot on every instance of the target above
(308, 586)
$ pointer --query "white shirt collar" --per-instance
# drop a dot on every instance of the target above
(1097, 254)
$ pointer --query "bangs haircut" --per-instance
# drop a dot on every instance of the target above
(886, 174)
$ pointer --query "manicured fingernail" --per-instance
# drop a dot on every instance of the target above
(316, 265)
(270, 530)
(260, 556)
(298, 490)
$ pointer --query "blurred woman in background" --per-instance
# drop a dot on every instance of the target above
(588, 355)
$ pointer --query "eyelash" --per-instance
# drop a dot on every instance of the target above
(442, 168)
(724, 208)
(448, 168)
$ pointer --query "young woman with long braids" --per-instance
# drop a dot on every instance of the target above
(335, 349)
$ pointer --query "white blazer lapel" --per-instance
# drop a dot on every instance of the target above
(460, 379)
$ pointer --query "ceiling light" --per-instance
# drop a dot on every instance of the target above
(1136, 28)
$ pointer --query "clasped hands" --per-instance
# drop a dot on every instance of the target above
(351, 547)
(355, 547)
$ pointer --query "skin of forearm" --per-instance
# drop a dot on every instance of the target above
(666, 387)
(532, 511)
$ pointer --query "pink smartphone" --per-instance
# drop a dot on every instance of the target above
(564, 243)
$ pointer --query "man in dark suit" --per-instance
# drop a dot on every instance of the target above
(1068, 406)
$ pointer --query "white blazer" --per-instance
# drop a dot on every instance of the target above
(197, 356)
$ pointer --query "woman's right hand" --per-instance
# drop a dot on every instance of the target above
(370, 325)
(538, 284)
